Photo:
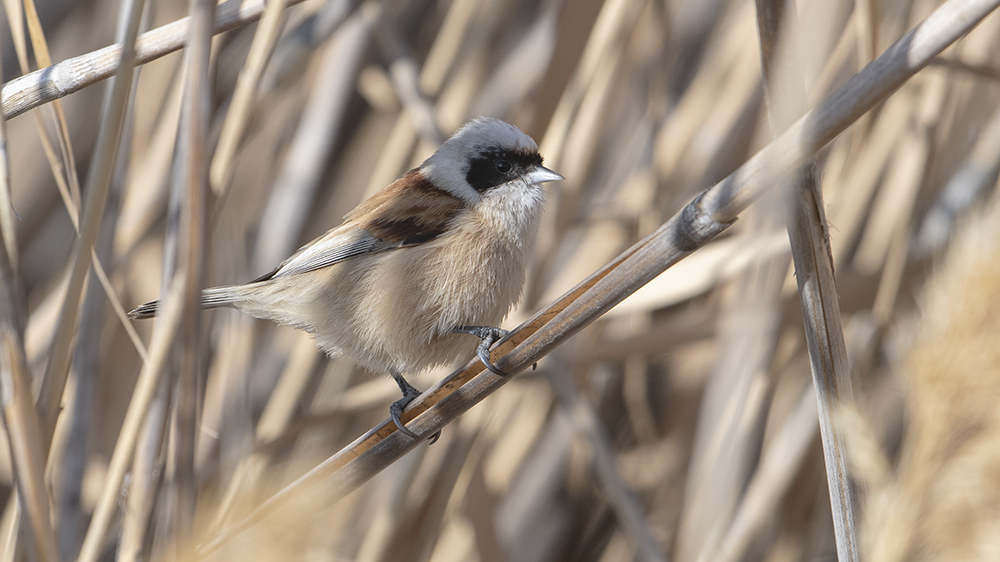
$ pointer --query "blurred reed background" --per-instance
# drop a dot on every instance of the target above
(683, 423)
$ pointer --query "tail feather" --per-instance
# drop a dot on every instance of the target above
(215, 297)
(144, 311)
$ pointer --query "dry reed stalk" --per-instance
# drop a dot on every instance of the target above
(470, 501)
(287, 211)
(147, 187)
(906, 179)
(612, 23)
(62, 165)
(734, 402)
(245, 95)
(163, 339)
(275, 420)
(21, 422)
(637, 407)
(587, 424)
(216, 448)
(718, 262)
(775, 471)
(734, 405)
(68, 165)
(457, 94)
(10, 523)
(731, 68)
(968, 184)
(146, 474)
(906, 171)
(145, 194)
(730, 423)
(574, 121)
(56, 81)
(279, 413)
(188, 195)
(116, 305)
(865, 89)
(70, 449)
(321, 123)
(426, 494)
(71, 446)
(404, 75)
(98, 185)
(812, 256)
(523, 69)
(14, 13)
(852, 195)
(7, 226)
(398, 149)
(836, 63)
(386, 521)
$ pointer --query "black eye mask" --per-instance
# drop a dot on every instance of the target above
(496, 167)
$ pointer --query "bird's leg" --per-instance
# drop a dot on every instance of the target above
(488, 336)
(396, 409)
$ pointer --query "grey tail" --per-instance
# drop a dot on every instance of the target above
(216, 297)
(144, 311)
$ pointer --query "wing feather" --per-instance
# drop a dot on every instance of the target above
(329, 249)
(409, 212)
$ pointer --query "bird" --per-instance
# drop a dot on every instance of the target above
(437, 254)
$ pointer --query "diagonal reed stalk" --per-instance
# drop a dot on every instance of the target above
(699, 222)
(71, 75)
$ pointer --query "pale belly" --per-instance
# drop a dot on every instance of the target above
(395, 311)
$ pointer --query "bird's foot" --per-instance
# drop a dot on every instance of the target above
(488, 336)
(396, 409)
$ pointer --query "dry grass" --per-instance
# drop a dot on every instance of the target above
(681, 425)
(939, 503)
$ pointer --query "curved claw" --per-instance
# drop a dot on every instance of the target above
(483, 351)
(396, 409)
(488, 336)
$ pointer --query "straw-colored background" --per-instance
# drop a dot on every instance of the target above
(700, 382)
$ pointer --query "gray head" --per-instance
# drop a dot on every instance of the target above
(484, 154)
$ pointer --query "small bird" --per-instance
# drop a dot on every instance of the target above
(440, 252)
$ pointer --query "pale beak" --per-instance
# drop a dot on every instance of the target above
(541, 174)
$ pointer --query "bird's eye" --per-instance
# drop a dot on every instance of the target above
(503, 166)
